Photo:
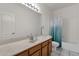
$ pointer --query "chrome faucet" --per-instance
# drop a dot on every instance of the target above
(31, 37)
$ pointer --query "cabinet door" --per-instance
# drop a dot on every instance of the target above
(45, 50)
(8, 26)
(37, 53)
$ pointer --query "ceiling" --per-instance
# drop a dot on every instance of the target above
(56, 6)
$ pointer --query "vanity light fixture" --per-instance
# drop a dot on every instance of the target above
(33, 6)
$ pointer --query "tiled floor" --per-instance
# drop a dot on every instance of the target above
(64, 52)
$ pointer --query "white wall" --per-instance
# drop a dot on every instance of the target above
(70, 17)
(27, 21)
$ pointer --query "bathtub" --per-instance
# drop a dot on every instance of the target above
(71, 46)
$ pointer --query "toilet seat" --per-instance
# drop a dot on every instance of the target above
(55, 44)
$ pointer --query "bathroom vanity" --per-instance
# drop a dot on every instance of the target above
(41, 47)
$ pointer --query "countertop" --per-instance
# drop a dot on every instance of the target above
(13, 48)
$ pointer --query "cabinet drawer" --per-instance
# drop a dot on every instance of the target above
(34, 49)
(37, 53)
(44, 43)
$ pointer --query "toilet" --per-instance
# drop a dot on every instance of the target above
(55, 45)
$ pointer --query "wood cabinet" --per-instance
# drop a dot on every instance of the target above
(42, 49)
(36, 50)
(45, 43)
(50, 46)
(37, 53)
(45, 50)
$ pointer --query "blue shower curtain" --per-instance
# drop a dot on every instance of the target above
(56, 32)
